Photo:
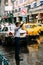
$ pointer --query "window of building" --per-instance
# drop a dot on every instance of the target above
(28, 7)
(21, 1)
(16, 2)
(6, 2)
(41, 3)
(15, 10)
(35, 4)
(24, 0)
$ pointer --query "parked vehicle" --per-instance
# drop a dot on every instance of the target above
(31, 30)
(7, 35)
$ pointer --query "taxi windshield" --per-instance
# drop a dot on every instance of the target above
(27, 26)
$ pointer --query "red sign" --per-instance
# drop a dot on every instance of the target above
(23, 11)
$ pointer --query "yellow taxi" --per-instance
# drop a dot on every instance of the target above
(31, 30)
(37, 27)
(40, 27)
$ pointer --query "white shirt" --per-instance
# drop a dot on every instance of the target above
(17, 32)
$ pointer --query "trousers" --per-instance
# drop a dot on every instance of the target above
(17, 49)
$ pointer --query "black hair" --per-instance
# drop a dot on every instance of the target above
(17, 23)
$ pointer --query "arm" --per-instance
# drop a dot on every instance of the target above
(21, 25)
(17, 28)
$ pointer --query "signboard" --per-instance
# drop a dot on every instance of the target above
(23, 11)
(8, 8)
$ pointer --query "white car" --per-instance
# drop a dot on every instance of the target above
(7, 34)
(22, 33)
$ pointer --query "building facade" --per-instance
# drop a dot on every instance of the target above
(1, 7)
(5, 7)
(32, 8)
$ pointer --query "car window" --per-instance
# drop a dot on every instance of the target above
(5, 29)
(27, 26)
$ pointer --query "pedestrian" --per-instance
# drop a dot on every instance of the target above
(17, 42)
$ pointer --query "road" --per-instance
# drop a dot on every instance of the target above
(32, 55)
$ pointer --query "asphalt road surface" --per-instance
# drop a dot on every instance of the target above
(32, 55)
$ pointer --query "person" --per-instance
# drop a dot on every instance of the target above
(17, 42)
